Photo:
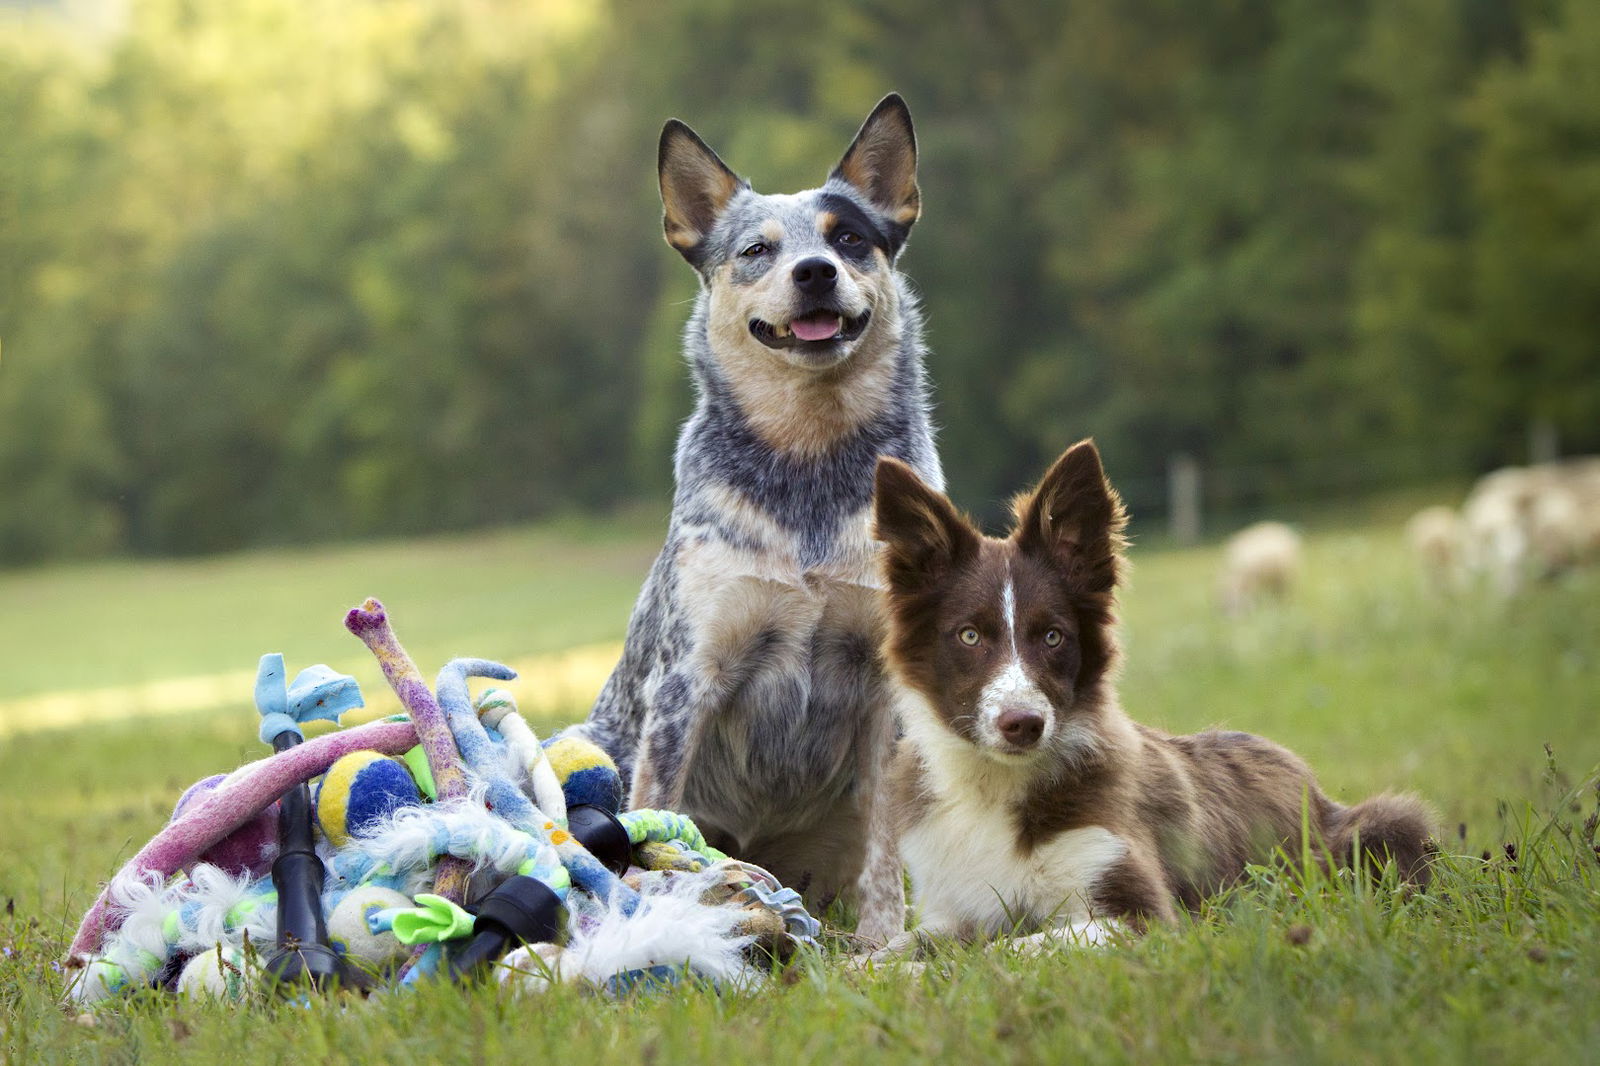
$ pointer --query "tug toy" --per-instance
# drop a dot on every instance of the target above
(444, 843)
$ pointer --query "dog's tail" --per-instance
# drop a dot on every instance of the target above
(1390, 827)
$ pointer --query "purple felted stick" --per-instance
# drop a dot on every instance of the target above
(247, 792)
(371, 624)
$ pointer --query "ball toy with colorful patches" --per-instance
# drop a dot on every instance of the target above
(224, 972)
(373, 950)
(360, 790)
(587, 774)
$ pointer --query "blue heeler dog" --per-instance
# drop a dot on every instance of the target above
(751, 694)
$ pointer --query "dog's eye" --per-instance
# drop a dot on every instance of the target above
(1052, 638)
(754, 250)
(848, 237)
(968, 636)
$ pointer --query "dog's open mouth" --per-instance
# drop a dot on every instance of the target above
(814, 327)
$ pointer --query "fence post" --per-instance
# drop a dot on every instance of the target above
(1183, 498)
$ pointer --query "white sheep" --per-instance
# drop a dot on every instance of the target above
(1525, 523)
(1434, 534)
(1260, 562)
(1496, 521)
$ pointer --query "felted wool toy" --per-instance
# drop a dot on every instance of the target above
(504, 795)
(498, 711)
(586, 773)
(249, 849)
(213, 816)
(407, 845)
(497, 830)
(653, 855)
(671, 934)
(166, 921)
(370, 624)
(478, 753)
(359, 790)
(350, 928)
(416, 761)
(222, 973)
(646, 826)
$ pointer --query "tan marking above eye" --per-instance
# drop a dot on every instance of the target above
(826, 220)
(772, 231)
(1052, 638)
(968, 636)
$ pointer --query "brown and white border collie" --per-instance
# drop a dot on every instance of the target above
(1024, 798)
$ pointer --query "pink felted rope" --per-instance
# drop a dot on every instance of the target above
(247, 791)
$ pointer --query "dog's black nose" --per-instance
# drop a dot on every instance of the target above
(815, 276)
(1022, 728)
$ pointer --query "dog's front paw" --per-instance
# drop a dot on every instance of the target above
(879, 929)
(1092, 933)
(911, 947)
(906, 945)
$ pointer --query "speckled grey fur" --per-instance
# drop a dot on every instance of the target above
(772, 736)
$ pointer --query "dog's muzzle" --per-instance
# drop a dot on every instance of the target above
(814, 331)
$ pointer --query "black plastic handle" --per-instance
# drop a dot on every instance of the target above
(302, 952)
(522, 910)
(599, 830)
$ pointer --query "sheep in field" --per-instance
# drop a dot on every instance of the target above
(1434, 534)
(1259, 563)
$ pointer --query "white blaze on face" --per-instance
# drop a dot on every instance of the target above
(1010, 688)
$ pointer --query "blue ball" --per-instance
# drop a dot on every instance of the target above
(361, 790)
(595, 786)
(586, 773)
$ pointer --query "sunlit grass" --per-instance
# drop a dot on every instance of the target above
(1377, 683)
(505, 594)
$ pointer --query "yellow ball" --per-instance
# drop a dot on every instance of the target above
(361, 790)
(586, 772)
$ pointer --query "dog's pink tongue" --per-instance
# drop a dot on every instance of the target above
(816, 327)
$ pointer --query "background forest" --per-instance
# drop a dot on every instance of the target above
(274, 272)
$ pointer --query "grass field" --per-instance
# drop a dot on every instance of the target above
(1376, 683)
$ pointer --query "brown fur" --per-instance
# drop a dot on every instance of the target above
(695, 185)
(1192, 810)
(882, 162)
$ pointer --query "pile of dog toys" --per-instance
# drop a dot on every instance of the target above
(446, 843)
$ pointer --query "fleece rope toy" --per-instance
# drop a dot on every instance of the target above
(443, 843)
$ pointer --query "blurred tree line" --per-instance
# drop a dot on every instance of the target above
(272, 271)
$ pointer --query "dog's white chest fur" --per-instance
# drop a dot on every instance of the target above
(970, 878)
(786, 656)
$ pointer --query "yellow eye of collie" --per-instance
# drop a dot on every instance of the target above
(1052, 638)
(968, 636)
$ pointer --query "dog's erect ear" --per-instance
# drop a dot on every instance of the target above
(1075, 518)
(926, 535)
(882, 162)
(695, 187)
